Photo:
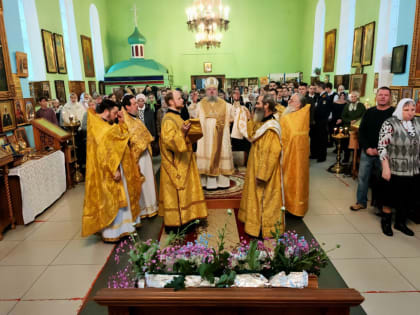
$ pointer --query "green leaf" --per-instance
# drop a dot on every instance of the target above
(177, 283)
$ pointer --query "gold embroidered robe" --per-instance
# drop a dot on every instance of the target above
(139, 135)
(181, 196)
(214, 149)
(106, 149)
(295, 140)
(261, 202)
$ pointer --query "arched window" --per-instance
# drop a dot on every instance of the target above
(318, 44)
(71, 41)
(32, 41)
(98, 55)
(345, 36)
(387, 30)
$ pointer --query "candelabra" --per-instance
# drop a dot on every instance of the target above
(338, 135)
(74, 126)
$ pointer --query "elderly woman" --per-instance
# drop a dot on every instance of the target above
(399, 151)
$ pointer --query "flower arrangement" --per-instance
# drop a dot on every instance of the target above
(284, 253)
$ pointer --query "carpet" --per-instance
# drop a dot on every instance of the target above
(233, 192)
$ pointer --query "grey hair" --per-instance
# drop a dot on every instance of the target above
(356, 93)
(268, 99)
(302, 99)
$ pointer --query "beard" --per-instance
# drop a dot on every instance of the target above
(212, 98)
(258, 115)
(288, 110)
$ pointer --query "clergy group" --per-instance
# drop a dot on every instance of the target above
(196, 140)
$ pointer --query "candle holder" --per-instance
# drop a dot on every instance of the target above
(74, 126)
(338, 167)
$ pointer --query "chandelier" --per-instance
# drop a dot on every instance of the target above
(208, 18)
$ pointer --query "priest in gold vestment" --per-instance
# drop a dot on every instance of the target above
(141, 151)
(262, 203)
(294, 124)
(181, 197)
(214, 150)
(111, 204)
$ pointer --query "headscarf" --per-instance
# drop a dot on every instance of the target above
(141, 96)
(398, 112)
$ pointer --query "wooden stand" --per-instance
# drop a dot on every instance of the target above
(6, 217)
(243, 301)
(46, 134)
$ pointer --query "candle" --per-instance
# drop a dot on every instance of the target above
(335, 130)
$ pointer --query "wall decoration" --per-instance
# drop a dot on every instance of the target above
(49, 51)
(376, 81)
(338, 80)
(29, 108)
(356, 60)
(3, 140)
(326, 78)
(60, 53)
(101, 87)
(406, 92)
(17, 86)
(20, 134)
(40, 88)
(314, 80)
(21, 64)
(368, 43)
(208, 67)
(416, 98)
(395, 95)
(60, 91)
(399, 57)
(342, 79)
(20, 115)
(87, 56)
(329, 51)
(358, 83)
(77, 87)
(92, 87)
(7, 115)
(414, 77)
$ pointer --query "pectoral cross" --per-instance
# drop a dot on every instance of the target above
(135, 14)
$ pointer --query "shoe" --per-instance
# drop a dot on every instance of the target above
(357, 207)
(313, 157)
(400, 222)
(386, 224)
(403, 228)
(321, 160)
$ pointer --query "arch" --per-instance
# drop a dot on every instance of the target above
(345, 36)
(318, 44)
(98, 56)
(32, 41)
(71, 42)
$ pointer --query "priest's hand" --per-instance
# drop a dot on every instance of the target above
(339, 121)
(185, 129)
(117, 176)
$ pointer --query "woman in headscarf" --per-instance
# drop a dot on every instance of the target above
(399, 151)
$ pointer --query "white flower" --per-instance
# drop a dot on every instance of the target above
(229, 211)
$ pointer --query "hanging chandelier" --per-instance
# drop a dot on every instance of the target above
(208, 18)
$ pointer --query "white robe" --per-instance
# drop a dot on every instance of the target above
(75, 109)
(205, 149)
(148, 201)
(123, 222)
(239, 128)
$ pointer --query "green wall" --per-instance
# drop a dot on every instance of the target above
(49, 18)
(366, 11)
(263, 37)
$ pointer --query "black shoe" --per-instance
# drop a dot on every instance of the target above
(313, 157)
(321, 160)
(403, 228)
(386, 224)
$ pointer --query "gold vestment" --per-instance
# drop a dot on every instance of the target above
(106, 150)
(261, 201)
(295, 141)
(181, 196)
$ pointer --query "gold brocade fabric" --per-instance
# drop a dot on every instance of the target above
(181, 196)
(279, 111)
(295, 140)
(261, 203)
(106, 149)
(140, 137)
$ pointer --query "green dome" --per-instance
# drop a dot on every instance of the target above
(135, 67)
(136, 38)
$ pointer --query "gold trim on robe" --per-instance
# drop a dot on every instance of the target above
(295, 141)
(106, 149)
(181, 196)
(261, 201)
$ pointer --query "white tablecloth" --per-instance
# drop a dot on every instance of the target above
(42, 182)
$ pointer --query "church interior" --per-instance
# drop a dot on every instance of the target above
(209, 157)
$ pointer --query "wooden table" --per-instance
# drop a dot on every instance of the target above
(6, 217)
(230, 301)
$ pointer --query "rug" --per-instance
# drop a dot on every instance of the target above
(233, 192)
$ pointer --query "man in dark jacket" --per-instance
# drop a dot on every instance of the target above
(146, 115)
